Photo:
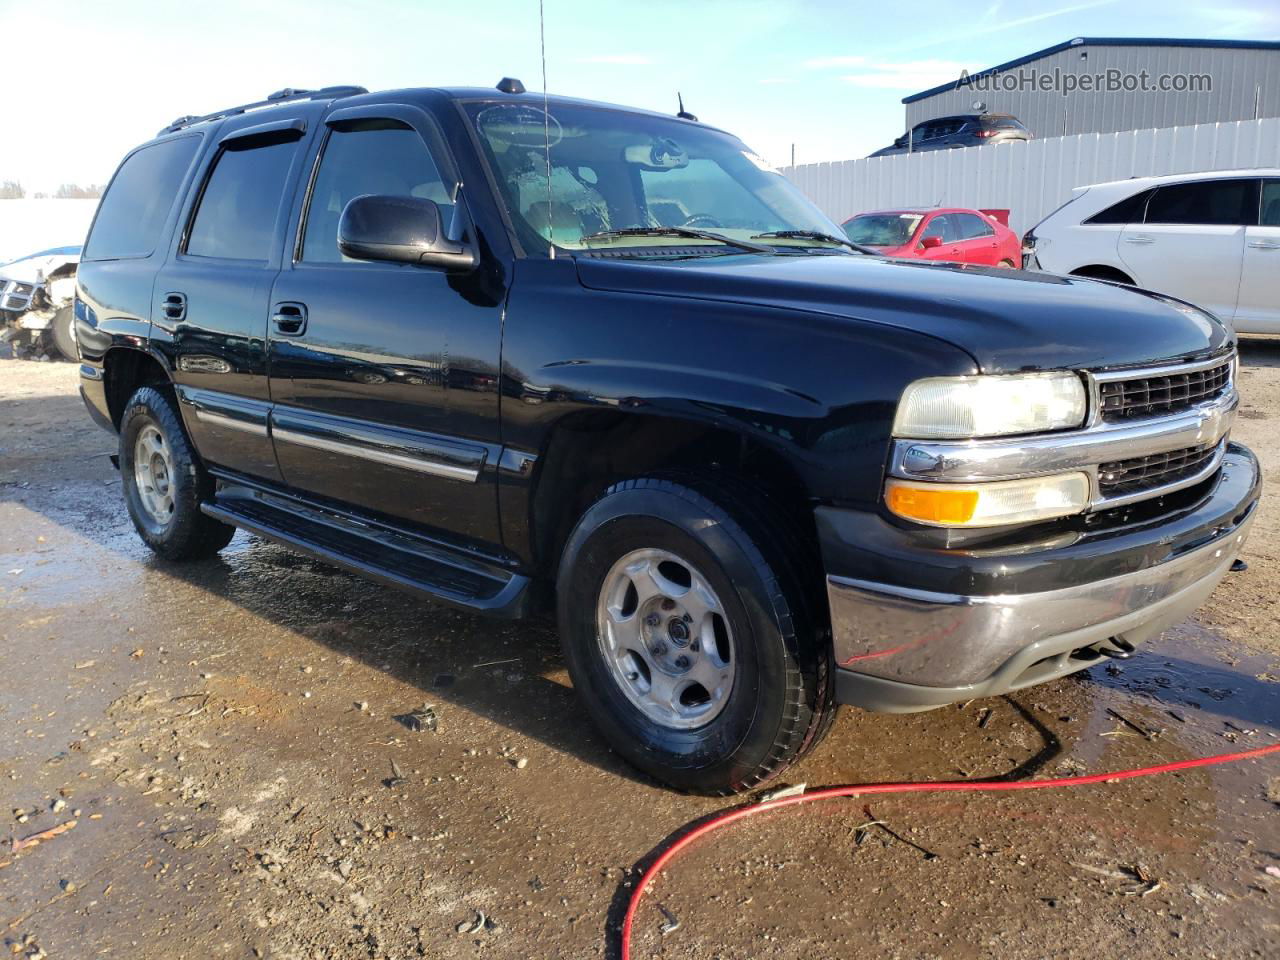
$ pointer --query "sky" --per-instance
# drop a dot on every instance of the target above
(90, 80)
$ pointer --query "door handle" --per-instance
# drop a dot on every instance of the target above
(1139, 240)
(1265, 244)
(175, 306)
(290, 318)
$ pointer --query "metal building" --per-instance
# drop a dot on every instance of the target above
(1106, 85)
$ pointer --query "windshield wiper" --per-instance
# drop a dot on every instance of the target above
(689, 232)
(814, 235)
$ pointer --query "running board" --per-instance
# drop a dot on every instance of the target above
(396, 559)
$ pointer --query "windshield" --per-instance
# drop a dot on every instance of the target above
(614, 170)
(882, 229)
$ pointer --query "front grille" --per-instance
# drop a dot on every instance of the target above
(1163, 394)
(15, 296)
(1122, 477)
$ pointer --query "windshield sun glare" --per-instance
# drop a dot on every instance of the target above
(613, 170)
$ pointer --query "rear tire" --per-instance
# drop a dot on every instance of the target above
(164, 483)
(768, 699)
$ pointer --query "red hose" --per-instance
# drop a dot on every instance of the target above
(863, 790)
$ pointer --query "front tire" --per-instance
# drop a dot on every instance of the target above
(62, 334)
(164, 482)
(688, 638)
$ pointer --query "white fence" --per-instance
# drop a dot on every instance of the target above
(1033, 179)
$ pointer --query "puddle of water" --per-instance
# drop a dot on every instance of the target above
(1194, 678)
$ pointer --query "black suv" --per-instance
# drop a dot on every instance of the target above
(951, 133)
(522, 354)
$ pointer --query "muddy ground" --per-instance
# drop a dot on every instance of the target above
(223, 737)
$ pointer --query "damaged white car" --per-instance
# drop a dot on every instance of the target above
(37, 299)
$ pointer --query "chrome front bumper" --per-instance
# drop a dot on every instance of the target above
(901, 649)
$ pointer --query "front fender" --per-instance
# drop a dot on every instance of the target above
(819, 390)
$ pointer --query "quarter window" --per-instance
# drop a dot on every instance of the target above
(378, 157)
(1271, 203)
(1205, 202)
(141, 194)
(1129, 210)
(237, 214)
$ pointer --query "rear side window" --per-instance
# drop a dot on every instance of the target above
(236, 218)
(1206, 202)
(141, 194)
(933, 130)
(381, 157)
(947, 126)
(970, 227)
(1129, 210)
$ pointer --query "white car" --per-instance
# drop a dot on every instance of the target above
(37, 293)
(1210, 238)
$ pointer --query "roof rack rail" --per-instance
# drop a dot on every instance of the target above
(280, 96)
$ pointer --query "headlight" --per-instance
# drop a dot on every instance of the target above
(988, 504)
(959, 408)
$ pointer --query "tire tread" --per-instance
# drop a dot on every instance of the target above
(194, 535)
(808, 680)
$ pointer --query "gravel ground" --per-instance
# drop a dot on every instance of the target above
(223, 736)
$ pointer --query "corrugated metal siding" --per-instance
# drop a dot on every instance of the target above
(1242, 81)
(1033, 179)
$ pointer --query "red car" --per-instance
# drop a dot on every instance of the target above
(950, 234)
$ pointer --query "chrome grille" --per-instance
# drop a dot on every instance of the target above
(1124, 477)
(15, 296)
(1167, 392)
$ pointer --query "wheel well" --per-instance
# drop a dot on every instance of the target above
(596, 450)
(124, 371)
(1100, 271)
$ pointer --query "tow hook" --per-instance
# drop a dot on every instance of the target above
(1118, 649)
(1238, 566)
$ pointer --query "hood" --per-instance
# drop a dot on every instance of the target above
(1007, 320)
(36, 266)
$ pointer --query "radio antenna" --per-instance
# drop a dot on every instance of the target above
(546, 129)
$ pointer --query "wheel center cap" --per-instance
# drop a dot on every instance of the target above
(678, 631)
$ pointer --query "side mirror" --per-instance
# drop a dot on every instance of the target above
(931, 241)
(401, 230)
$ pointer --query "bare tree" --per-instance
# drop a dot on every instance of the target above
(11, 190)
(73, 191)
